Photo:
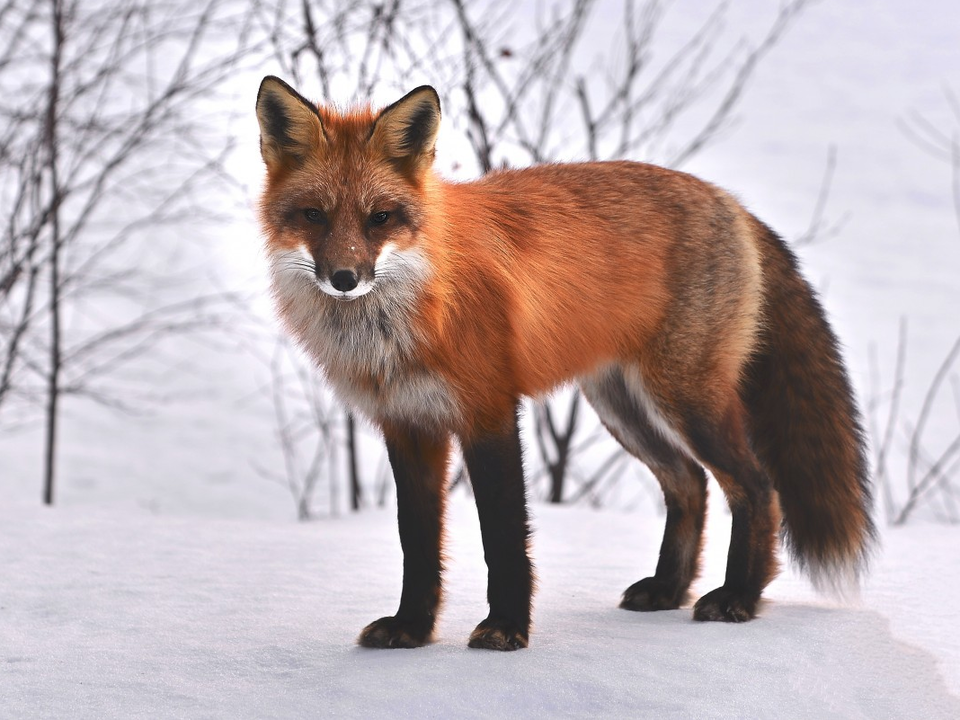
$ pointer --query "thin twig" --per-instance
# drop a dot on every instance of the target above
(932, 392)
(892, 414)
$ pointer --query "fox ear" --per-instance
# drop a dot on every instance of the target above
(407, 130)
(290, 128)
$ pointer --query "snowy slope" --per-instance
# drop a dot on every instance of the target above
(107, 615)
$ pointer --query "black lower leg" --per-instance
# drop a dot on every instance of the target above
(495, 464)
(723, 446)
(419, 465)
(751, 560)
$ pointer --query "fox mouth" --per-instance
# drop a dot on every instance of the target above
(360, 290)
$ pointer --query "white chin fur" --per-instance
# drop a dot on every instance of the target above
(362, 289)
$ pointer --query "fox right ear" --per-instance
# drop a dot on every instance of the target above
(290, 128)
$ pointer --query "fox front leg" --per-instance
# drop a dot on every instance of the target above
(495, 464)
(419, 462)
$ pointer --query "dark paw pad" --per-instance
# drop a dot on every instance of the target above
(652, 594)
(494, 634)
(725, 605)
(391, 632)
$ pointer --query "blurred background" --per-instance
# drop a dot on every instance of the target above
(140, 363)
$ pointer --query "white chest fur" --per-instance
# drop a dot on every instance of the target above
(368, 346)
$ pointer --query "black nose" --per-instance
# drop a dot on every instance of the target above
(344, 280)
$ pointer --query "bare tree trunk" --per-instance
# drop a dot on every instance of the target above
(356, 492)
(53, 376)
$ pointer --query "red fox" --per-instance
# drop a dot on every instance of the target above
(433, 307)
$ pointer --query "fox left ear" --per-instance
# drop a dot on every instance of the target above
(407, 130)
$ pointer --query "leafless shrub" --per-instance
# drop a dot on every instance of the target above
(105, 149)
(930, 480)
(305, 424)
(930, 477)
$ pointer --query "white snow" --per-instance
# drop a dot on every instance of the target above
(112, 615)
(171, 580)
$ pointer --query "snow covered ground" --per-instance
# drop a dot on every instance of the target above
(106, 615)
(172, 581)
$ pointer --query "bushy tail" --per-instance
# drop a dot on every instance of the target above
(806, 428)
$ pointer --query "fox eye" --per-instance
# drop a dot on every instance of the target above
(313, 215)
(379, 218)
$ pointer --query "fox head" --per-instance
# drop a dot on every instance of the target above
(344, 194)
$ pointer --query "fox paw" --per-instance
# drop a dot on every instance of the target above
(725, 605)
(496, 634)
(652, 594)
(392, 632)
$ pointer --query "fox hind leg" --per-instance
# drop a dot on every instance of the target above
(722, 444)
(685, 495)
(681, 478)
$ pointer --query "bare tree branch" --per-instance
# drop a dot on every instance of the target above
(883, 448)
(720, 117)
(955, 147)
(818, 229)
(932, 392)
